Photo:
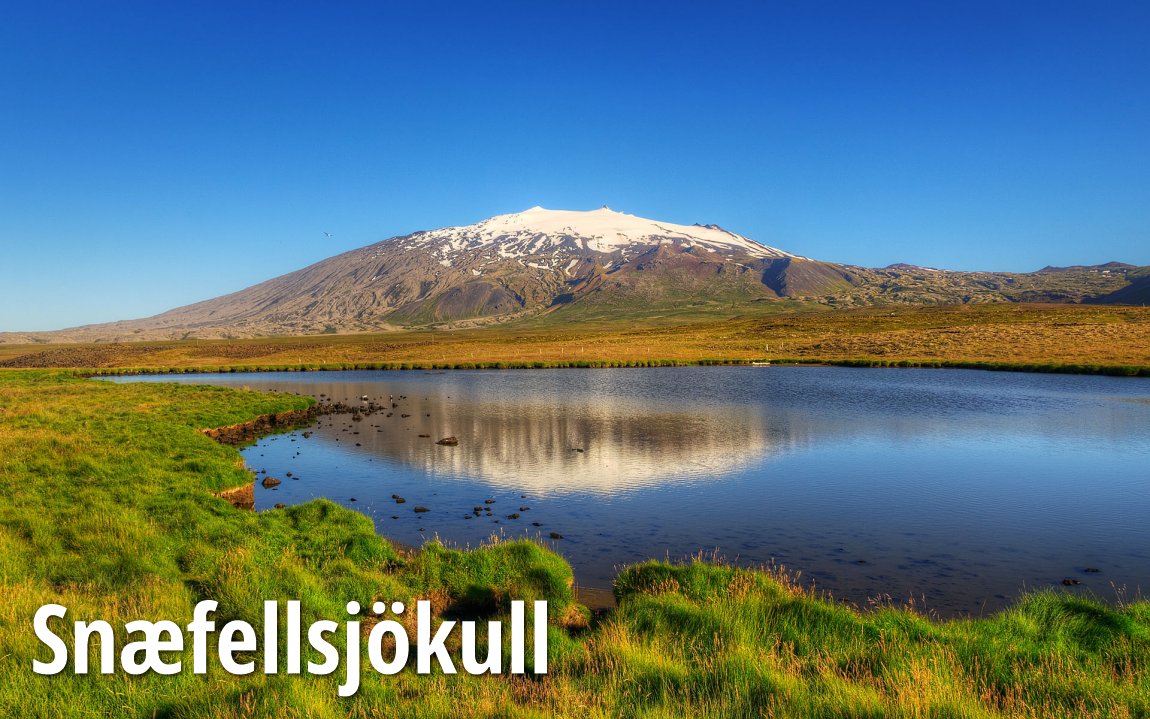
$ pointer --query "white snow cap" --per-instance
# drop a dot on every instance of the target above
(602, 230)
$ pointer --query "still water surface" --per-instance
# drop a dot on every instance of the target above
(957, 488)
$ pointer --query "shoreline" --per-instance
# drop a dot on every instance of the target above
(598, 600)
(867, 363)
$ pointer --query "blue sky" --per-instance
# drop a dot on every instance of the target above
(155, 154)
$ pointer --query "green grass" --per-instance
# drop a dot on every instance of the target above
(109, 510)
(736, 643)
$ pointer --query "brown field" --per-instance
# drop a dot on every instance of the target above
(996, 334)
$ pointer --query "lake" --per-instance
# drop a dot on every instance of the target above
(959, 489)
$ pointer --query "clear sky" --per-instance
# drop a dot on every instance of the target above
(154, 154)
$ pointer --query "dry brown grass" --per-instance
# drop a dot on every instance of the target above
(1031, 334)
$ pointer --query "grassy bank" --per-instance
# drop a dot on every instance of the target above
(109, 510)
(1076, 338)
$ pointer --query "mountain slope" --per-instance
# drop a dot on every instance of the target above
(576, 264)
(503, 267)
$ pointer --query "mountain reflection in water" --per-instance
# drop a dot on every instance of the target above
(596, 445)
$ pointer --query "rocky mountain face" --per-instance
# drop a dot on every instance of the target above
(599, 263)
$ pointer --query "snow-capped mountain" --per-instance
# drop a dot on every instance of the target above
(599, 264)
(507, 266)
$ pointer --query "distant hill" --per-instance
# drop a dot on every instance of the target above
(580, 264)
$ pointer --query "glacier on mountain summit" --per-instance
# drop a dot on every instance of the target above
(539, 231)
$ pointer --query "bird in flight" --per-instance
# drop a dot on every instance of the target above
(328, 234)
